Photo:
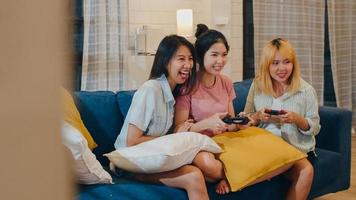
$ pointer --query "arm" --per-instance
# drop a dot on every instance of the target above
(230, 108)
(312, 114)
(231, 112)
(214, 122)
(135, 136)
(250, 106)
(183, 105)
(309, 124)
(293, 117)
(180, 116)
(181, 121)
(140, 115)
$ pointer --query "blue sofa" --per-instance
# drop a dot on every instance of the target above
(103, 113)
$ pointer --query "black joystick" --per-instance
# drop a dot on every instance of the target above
(275, 112)
(235, 120)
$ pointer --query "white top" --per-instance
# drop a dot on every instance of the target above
(275, 126)
(304, 102)
(151, 110)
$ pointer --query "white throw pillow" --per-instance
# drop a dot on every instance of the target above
(87, 168)
(164, 153)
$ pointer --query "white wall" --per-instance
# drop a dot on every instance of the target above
(161, 14)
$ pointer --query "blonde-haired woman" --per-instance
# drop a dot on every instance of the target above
(278, 86)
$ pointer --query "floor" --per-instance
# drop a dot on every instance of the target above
(349, 194)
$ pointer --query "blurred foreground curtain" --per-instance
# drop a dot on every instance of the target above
(105, 46)
(302, 23)
(342, 34)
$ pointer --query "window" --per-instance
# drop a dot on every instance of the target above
(248, 53)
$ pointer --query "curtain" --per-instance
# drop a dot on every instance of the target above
(105, 46)
(302, 23)
(342, 35)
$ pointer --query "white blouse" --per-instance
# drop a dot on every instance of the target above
(151, 110)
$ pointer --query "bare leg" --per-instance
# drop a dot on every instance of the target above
(211, 167)
(212, 170)
(301, 174)
(187, 177)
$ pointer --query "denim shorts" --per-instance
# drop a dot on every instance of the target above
(312, 157)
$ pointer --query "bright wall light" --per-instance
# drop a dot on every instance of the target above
(185, 22)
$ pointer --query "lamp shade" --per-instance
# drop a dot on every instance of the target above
(185, 22)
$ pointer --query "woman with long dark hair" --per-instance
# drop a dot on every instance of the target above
(152, 110)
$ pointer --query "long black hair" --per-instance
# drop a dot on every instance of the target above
(165, 52)
(205, 39)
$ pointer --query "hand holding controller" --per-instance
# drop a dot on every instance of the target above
(275, 112)
(235, 120)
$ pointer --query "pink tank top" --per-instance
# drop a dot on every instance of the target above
(206, 101)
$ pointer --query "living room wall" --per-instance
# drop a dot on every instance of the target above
(160, 16)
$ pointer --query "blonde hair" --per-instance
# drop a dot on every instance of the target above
(263, 78)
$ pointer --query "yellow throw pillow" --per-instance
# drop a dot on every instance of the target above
(72, 116)
(252, 153)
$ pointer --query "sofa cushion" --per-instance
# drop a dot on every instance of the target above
(125, 189)
(164, 153)
(128, 190)
(241, 90)
(124, 99)
(101, 115)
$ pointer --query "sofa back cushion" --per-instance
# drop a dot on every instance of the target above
(124, 99)
(102, 117)
(241, 90)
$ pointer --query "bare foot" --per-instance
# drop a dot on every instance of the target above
(222, 187)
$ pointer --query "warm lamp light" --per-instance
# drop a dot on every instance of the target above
(185, 22)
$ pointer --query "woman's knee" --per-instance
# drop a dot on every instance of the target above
(206, 162)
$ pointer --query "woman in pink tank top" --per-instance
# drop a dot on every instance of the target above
(210, 101)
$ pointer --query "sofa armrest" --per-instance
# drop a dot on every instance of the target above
(335, 135)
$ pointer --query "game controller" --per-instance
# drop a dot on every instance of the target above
(235, 120)
(275, 112)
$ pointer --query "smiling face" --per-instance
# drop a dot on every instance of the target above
(280, 69)
(180, 66)
(215, 58)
